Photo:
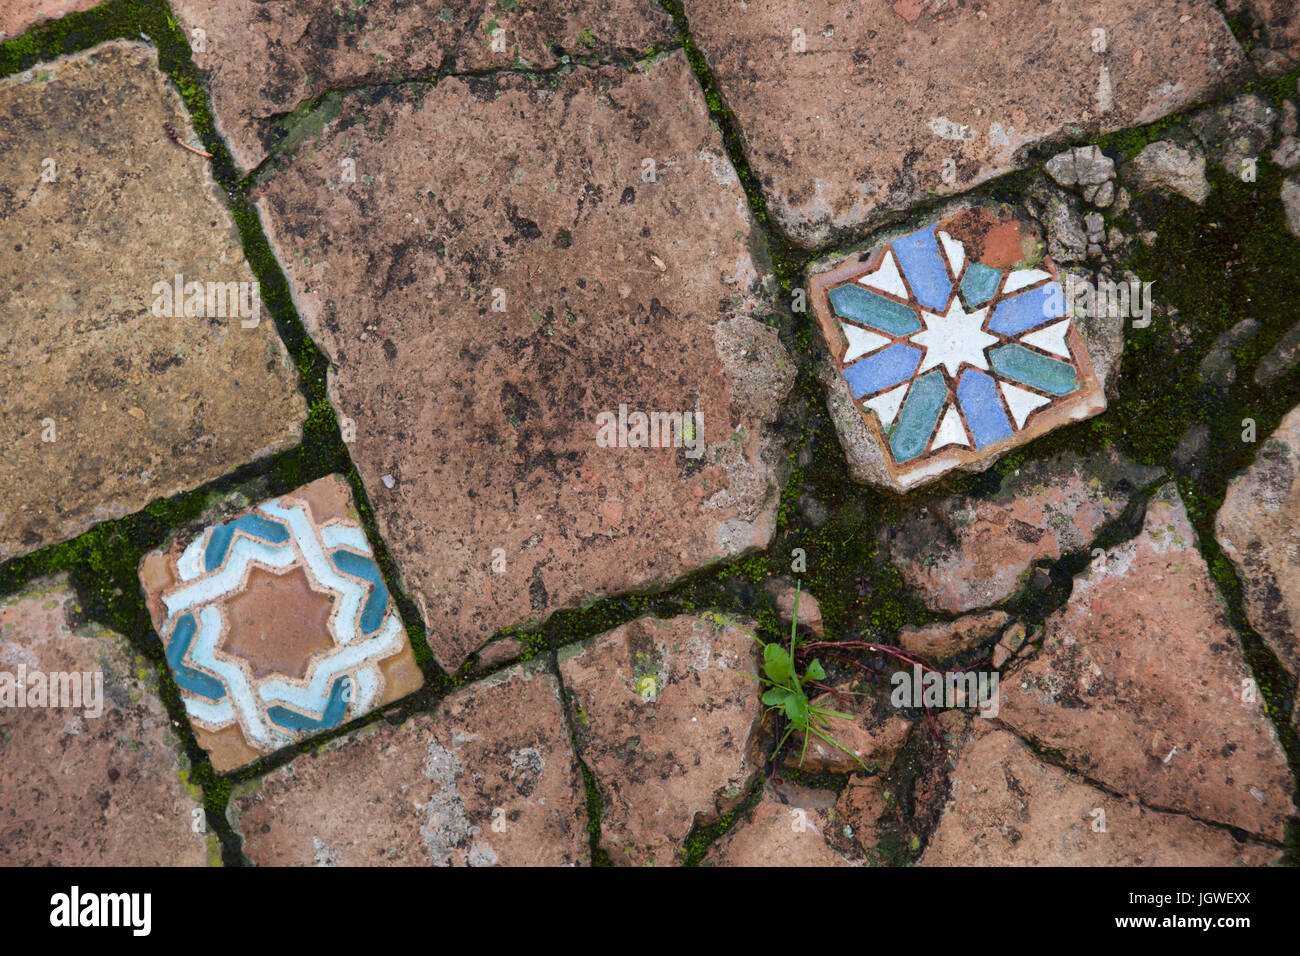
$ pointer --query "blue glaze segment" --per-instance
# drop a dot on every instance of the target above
(256, 525)
(882, 369)
(862, 305)
(194, 681)
(922, 263)
(1030, 368)
(364, 567)
(335, 708)
(919, 416)
(978, 396)
(1025, 310)
(979, 283)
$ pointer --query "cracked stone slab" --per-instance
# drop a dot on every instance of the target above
(499, 372)
(802, 830)
(852, 110)
(951, 345)
(489, 779)
(16, 17)
(261, 61)
(109, 404)
(665, 719)
(968, 552)
(277, 624)
(1008, 808)
(1141, 685)
(91, 773)
(1258, 528)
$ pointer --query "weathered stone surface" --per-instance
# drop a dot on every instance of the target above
(1219, 367)
(1283, 355)
(665, 719)
(489, 779)
(1258, 528)
(477, 430)
(1081, 166)
(970, 552)
(1140, 684)
(17, 15)
(903, 106)
(264, 60)
(539, 33)
(1166, 166)
(939, 641)
(1235, 132)
(100, 779)
(1274, 27)
(776, 833)
(1007, 808)
(871, 734)
(1287, 153)
(277, 623)
(949, 346)
(109, 406)
(810, 611)
(1291, 203)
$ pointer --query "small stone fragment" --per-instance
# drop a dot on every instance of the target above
(1165, 166)
(938, 642)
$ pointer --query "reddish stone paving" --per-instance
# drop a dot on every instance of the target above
(885, 106)
(1008, 808)
(1140, 685)
(489, 779)
(16, 16)
(665, 719)
(100, 780)
(1257, 526)
(262, 61)
(477, 430)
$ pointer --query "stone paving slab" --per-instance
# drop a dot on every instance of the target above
(786, 832)
(91, 773)
(872, 107)
(1258, 527)
(1008, 808)
(506, 298)
(489, 779)
(666, 721)
(277, 624)
(969, 552)
(262, 61)
(955, 345)
(1141, 685)
(16, 16)
(118, 391)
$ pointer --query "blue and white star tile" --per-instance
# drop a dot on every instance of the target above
(951, 360)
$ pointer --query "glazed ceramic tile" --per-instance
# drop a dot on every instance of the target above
(953, 347)
(277, 624)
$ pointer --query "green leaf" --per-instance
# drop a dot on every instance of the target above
(776, 697)
(796, 708)
(776, 663)
(815, 671)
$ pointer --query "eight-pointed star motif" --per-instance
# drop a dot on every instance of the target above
(953, 339)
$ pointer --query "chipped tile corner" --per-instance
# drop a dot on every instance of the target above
(950, 346)
(277, 624)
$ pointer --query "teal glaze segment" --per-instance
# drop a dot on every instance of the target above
(862, 305)
(979, 283)
(335, 708)
(920, 414)
(1029, 368)
(186, 677)
(361, 566)
(252, 524)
